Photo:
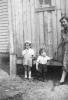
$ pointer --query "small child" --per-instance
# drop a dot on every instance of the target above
(41, 62)
(28, 54)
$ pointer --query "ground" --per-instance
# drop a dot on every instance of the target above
(19, 89)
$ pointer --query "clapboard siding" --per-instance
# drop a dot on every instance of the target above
(3, 13)
(3, 7)
(3, 10)
(4, 36)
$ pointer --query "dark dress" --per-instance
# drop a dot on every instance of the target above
(64, 37)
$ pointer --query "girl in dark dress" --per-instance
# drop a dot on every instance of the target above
(64, 37)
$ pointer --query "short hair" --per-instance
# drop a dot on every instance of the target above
(28, 44)
(64, 17)
(41, 50)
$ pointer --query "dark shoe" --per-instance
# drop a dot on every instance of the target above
(30, 79)
(59, 83)
(25, 79)
(62, 83)
(40, 79)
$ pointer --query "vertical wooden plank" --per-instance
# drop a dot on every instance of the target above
(63, 7)
(20, 34)
(11, 46)
(37, 31)
(16, 30)
(53, 2)
(12, 65)
(58, 26)
(13, 21)
(12, 55)
(58, 16)
(16, 26)
(58, 4)
(54, 30)
(41, 30)
(50, 37)
(45, 26)
(25, 19)
(66, 7)
(28, 37)
(32, 12)
(37, 4)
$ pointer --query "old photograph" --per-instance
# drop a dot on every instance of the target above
(33, 49)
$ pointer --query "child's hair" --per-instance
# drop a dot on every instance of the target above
(64, 17)
(26, 43)
(41, 50)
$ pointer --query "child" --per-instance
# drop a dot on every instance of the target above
(41, 62)
(28, 54)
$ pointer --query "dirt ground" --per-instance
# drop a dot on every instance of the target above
(20, 89)
(17, 89)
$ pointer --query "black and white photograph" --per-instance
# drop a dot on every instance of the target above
(33, 49)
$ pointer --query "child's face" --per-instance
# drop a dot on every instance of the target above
(27, 46)
(43, 53)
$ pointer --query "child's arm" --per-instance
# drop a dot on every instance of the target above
(49, 58)
(23, 53)
(33, 53)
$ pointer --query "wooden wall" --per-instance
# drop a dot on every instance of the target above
(23, 23)
(42, 29)
(4, 36)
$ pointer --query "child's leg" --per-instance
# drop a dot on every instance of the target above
(64, 73)
(40, 70)
(29, 72)
(25, 71)
(29, 67)
(44, 70)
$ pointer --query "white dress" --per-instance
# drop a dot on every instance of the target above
(27, 56)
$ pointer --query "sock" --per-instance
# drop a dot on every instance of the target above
(25, 74)
(63, 76)
(29, 74)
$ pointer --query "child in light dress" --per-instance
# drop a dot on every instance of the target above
(28, 54)
(41, 62)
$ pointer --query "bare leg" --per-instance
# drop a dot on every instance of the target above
(30, 74)
(64, 73)
(25, 71)
(25, 74)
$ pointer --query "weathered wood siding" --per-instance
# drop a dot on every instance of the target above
(41, 28)
(4, 36)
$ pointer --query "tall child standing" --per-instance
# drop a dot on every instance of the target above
(28, 54)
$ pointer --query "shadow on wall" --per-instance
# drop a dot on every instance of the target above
(4, 62)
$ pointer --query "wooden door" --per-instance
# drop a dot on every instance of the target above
(44, 29)
(48, 31)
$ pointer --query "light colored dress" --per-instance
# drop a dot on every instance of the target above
(28, 56)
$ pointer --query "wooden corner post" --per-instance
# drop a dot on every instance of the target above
(11, 42)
